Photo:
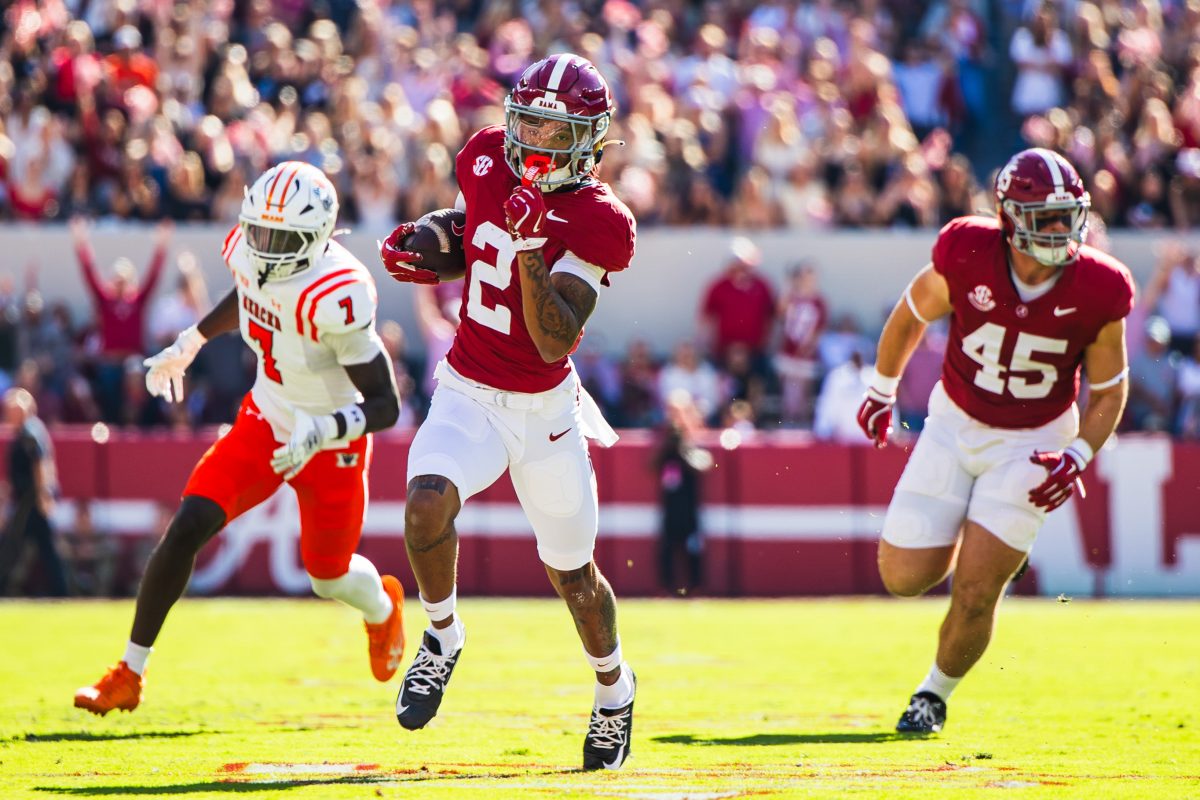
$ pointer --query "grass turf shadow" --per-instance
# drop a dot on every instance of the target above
(245, 787)
(774, 739)
(90, 736)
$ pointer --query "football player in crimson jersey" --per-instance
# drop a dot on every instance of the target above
(306, 306)
(543, 234)
(1003, 444)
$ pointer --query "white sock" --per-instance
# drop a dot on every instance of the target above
(451, 638)
(939, 683)
(617, 695)
(359, 588)
(136, 656)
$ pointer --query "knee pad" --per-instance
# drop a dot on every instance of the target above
(918, 520)
(554, 485)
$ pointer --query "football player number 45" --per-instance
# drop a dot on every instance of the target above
(985, 345)
(498, 317)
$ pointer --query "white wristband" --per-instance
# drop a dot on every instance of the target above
(885, 385)
(1081, 451)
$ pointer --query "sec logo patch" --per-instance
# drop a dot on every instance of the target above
(981, 298)
(483, 165)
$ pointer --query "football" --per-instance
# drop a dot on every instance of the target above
(438, 237)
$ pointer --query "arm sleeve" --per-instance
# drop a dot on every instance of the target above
(572, 264)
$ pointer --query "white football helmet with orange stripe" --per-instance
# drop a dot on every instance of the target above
(287, 217)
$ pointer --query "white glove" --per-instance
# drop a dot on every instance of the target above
(309, 436)
(164, 374)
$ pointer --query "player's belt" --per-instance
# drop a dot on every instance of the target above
(483, 394)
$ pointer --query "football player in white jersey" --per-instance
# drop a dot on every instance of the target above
(307, 308)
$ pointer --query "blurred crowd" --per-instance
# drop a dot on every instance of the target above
(755, 114)
(749, 114)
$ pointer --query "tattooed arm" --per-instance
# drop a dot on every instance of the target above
(555, 306)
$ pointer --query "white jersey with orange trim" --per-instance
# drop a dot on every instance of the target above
(305, 330)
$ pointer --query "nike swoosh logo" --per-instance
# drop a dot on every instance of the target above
(616, 762)
(1062, 312)
(457, 230)
(553, 216)
(554, 437)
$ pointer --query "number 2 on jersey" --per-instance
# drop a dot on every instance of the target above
(497, 317)
(984, 346)
(266, 342)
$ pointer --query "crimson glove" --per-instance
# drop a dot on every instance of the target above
(401, 263)
(875, 415)
(1064, 467)
(525, 210)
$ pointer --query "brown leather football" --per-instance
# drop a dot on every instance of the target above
(438, 237)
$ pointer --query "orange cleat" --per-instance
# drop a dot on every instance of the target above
(120, 688)
(386, 640)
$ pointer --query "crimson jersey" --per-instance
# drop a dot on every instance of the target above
(492, 345)
(1012, 364)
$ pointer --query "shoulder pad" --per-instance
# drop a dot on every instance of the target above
(338, 302)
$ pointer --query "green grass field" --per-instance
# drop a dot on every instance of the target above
(266, 699)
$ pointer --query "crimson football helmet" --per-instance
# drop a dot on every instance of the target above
(1037, 189)
(560, 109)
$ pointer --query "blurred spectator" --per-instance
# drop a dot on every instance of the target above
(437, 309)
(739, 417)
(183, 307)
(688, 373)
(1174, 291)
(1185, 186)
(1188, 421)
(128, 67)
(639, 406)
(392, 336)
(1042, 54)
(804, 314)
(120, 310)
(841, 341)
(960, 193)
(600, 376)
(739, 305)
(91, 553)
(1152, 380)
(837, 405)
(680, 463)
(33, 486)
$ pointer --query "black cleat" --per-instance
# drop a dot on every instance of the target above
(926, 713)
(424, 684)
(610, 734)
